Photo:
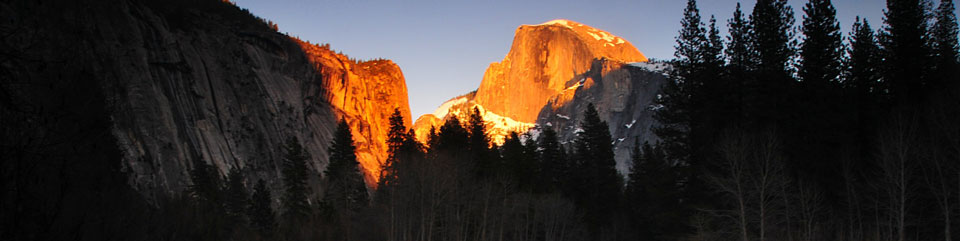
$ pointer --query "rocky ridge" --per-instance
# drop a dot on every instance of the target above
(205, 81)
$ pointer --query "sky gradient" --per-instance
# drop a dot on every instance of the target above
(443, 47)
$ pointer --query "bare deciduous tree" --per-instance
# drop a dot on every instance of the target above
(897, 159)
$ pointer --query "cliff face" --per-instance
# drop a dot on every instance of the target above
(365, 94)
(553, 71)
(207, 82)
(623, 95)
(541, 62)
(546, 66)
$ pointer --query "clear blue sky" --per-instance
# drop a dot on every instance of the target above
(443, 47)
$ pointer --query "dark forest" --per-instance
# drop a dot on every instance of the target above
(776, 130)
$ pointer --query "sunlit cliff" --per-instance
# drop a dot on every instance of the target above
(547, 64)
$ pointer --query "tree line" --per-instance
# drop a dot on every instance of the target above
(770, 132)
(456, 186)
(783, 132)
(224, 209)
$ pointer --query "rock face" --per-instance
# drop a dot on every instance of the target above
(540, 63)
(553, 71)
(205, 81)
(623, 95)
(365, 94)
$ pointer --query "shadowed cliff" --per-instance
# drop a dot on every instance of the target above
(205, 81)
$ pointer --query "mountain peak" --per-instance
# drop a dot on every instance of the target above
(615, 47)
(543, 60)
(547, 62)
(561, 22)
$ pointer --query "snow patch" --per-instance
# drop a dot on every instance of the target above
(607, 37)
(595, 36)
(598, 35)
(631, 124)
(561, 22)
(444, 108)
(654, 67)
(656, 107)
(498, 127)
(563, 116)
(532, 134)
(614, 142)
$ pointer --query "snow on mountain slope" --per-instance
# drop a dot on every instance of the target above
(498, 127)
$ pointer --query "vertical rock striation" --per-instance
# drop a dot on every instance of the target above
(206, 81)
(365, 94)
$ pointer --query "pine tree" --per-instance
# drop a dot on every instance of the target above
(691, 41)
(671, 112)
(637, 172)
(295, 182)
(260, 213)
(433, 139)
(905, 50)
(635, 190)
(450, 140)
(396, 137)
(674, 105)
(863, 63)
(741, 61)
(944, 38)
(819, 122)
(600, 187)
(512, 153)
(713, 63)
(532, 154)
(772, 25)
(396, 133)
(519, 162)
(552, 163)
(713, 53)
(452, 134)
(739, 51)
(862, 83)
(821, 48)
(205, 189)
(692, 104)
(480, 145)
(346, 189)
(713, 102)
(693, 52)
(651, 194)
(236, 195)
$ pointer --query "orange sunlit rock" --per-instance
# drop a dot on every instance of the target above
(542, 62)
(365, 94)
(547, 64)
